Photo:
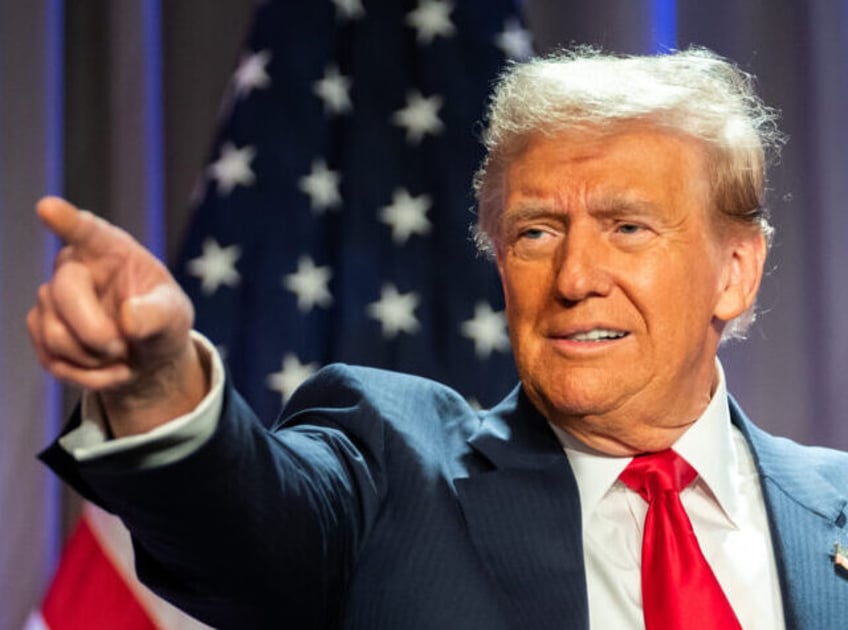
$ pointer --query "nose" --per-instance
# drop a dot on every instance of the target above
(583, 268)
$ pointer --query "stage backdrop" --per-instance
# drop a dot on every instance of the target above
(115, 105)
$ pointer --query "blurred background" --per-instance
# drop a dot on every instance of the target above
(121, 107)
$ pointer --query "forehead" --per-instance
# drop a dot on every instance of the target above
(641, 164)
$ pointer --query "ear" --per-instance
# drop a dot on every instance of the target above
(745, 256)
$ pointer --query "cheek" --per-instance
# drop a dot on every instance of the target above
(676, 285)
(525, 302)
(510, 280)
(525, 296)
(677, 307)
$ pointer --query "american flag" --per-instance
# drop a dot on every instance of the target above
(333, 217)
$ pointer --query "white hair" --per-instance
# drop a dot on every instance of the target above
(694, 92)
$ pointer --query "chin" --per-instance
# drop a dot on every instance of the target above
(568, 399)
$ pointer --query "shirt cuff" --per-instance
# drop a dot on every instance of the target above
(162, 445)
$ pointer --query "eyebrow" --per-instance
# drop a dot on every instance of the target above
(603, 207)
(532, 210)
(616, 206)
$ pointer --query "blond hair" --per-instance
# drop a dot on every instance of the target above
(693, 92)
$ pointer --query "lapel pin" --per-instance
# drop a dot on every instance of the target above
(840, 556)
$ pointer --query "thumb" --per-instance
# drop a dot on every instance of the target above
(163, 311)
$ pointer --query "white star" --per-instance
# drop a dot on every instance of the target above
(419, 117)
(232, 168)
(431, 18)
(406, 215)
(349, 9)
(395, 311)
(322, 186)
(291, 376)
(487, 329)
(251, 73)
(309, 283)
(515, 41)
(334, 90)
(216, 266)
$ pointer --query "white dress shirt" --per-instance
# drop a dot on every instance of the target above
(724, 503)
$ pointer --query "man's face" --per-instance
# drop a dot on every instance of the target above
(617, 284)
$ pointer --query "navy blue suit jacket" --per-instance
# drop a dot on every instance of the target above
(385, 502)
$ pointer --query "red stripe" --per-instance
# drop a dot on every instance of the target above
(88, 593)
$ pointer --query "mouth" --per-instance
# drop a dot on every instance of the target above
(596, 335)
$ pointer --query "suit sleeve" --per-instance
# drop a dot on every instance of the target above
(256, 528)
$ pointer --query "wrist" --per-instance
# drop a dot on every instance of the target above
(172, 390)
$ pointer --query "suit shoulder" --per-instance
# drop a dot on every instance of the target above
(829, 462)
(780, 456)
(401, 400)
(385, 386)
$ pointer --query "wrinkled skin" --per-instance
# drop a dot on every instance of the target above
(113, 320)
(618, 283)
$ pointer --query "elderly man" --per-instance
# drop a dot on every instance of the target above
(621, 199)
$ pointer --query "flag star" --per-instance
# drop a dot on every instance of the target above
(487, 329)
(515, 41)
(406, 215)
(334, 90)
(431, 18)
(216, 266)
(322, 187)
(291, 375)
(309, 283)
(232, 168)
(419, 117)
(349, 9)
(395, 311)
(251, 73)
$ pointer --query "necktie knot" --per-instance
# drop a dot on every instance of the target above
(654, 473)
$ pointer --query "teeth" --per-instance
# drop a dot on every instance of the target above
(598, 334)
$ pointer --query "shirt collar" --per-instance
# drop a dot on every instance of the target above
(707, 445)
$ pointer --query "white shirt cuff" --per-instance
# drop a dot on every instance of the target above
(164, 444)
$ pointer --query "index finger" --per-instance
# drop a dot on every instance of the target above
(76, 227)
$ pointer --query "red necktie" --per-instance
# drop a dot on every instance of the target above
(679, 590)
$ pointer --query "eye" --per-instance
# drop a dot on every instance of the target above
(534, 234)
(535, 242)
(628, 228)
(632, 234)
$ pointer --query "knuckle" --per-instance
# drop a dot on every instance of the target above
(54, 336)
(67, 271)
(44, 294)
(33, 324)
(32, 320)
(64, 256)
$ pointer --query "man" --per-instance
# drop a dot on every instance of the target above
(622, 201)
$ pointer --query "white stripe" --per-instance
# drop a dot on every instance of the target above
(36, 622)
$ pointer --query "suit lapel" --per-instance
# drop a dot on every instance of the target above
(807, 515)
(523, 516)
